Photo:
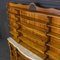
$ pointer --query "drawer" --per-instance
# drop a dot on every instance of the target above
(56, 20)
(53, 55)
(37, 16)
(55, 30)
(35, 25)
(12, 16)
(35, 46)
(55, 42)
(12, 9)
(42, 55)
(33, 35)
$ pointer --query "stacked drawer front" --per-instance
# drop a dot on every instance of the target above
(39, 32)
(54, 43)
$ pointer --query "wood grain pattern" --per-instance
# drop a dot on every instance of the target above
(40, 29)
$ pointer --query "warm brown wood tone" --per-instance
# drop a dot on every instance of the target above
(38, 30)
